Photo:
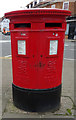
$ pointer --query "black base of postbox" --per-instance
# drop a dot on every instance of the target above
(37, 100)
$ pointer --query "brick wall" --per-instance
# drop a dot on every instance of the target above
(72, 7)
(58, 5)
(75, 8)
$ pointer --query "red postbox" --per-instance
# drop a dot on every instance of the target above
(37, 41)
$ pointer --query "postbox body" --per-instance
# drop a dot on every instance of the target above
(37, 41)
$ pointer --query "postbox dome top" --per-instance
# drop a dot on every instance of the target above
(38, 11)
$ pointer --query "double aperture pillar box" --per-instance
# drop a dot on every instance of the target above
(37, 41)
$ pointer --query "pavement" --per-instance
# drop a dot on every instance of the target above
(68, 106)
(70, 40)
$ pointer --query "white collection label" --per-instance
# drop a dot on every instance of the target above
(53, 47)
(22, 47)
